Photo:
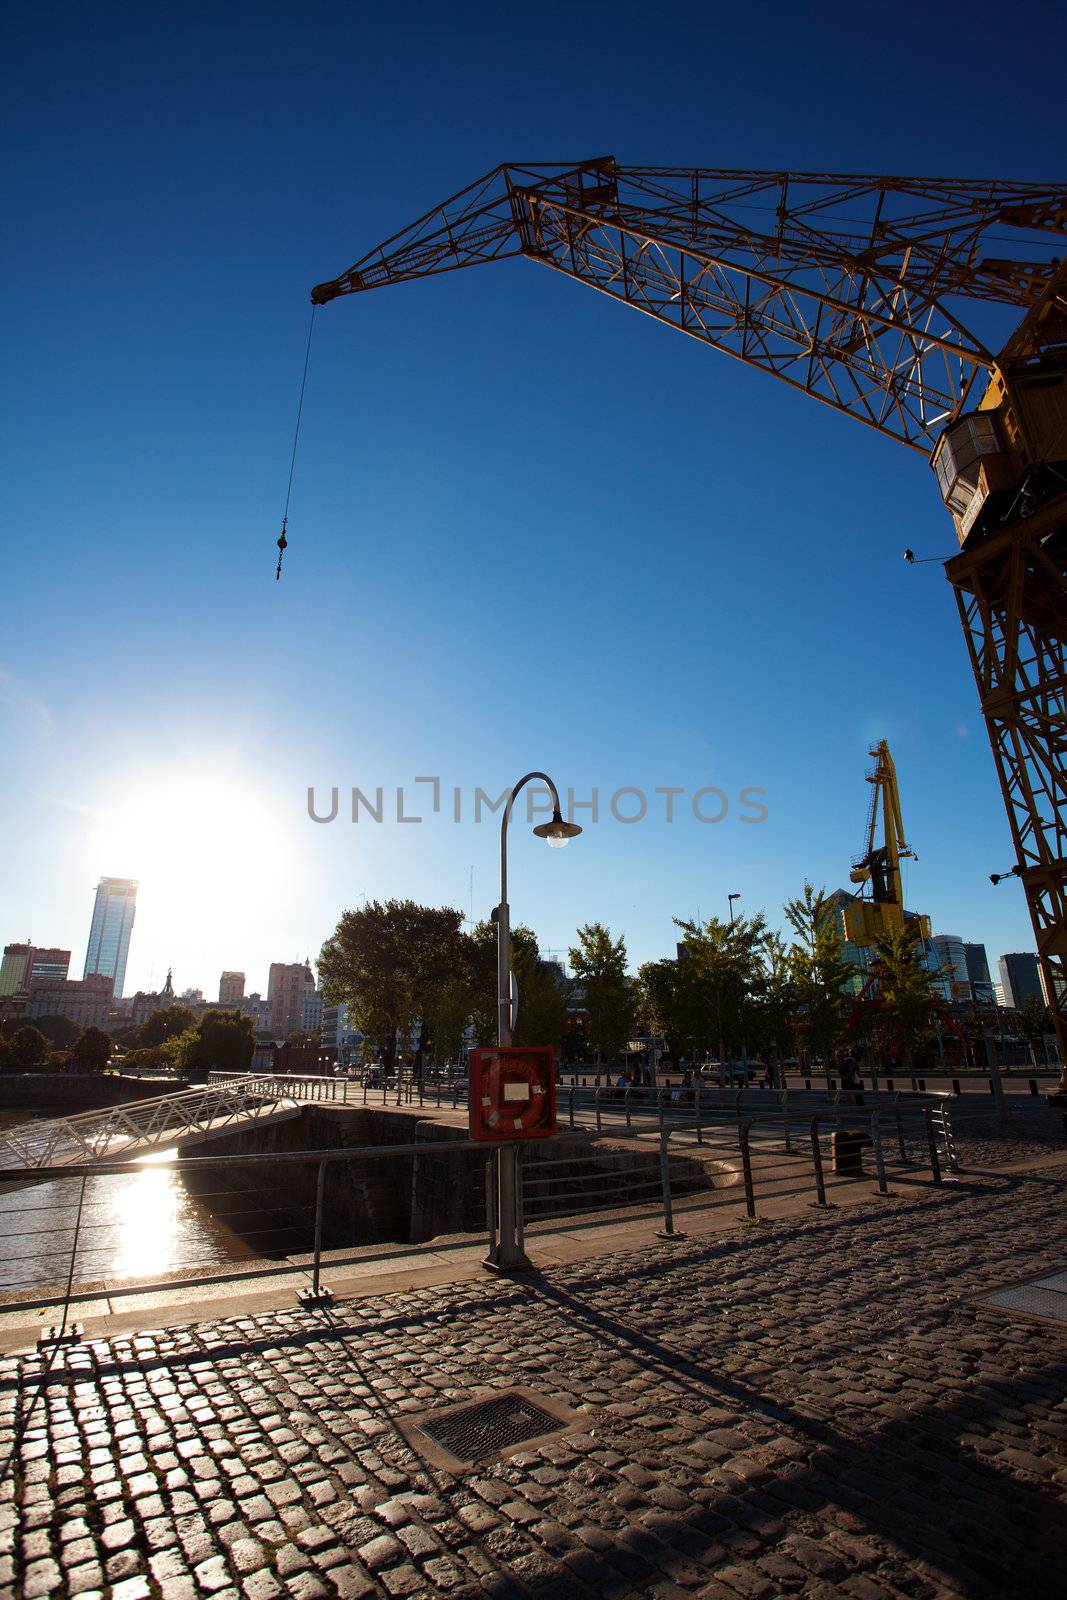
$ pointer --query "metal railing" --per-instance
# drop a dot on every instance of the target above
(660, 1165)
(141, 1125)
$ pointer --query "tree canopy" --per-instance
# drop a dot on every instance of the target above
(388, 963)
(220, 1041)
(92, 1051)
(599, 965)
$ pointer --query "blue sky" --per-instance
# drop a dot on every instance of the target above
(529, 528)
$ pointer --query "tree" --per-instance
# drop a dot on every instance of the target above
(908, 997)
(1033, 1021)
(220, 1041)
(776, 1003)
(60, 1032)
(451, 1013)
(92, 1051)
(820, 972)
(165, 1023)
(543, 996)
(388, 963)
(659, 1003)
(28, 1048)
(721, 970)
(599, 965)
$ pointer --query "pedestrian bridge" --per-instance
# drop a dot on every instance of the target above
(140, 1127)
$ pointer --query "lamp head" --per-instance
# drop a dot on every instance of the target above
(557, 832)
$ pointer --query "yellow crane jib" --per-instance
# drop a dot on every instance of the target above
(878, 868)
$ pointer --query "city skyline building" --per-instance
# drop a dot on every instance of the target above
(951, 956)
(978, 973)
(231, 988)
(1019, 978)
(24, 964)
(87, 1002)
(287, 984)
(109, 935)
(311, 1012)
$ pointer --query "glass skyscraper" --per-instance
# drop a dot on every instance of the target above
(109, 936)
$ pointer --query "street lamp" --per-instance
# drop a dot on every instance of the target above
(508, 1255)
(731, 898)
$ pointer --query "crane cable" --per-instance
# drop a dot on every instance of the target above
(282, 540)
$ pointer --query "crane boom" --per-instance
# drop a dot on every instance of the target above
(855, 290)
(842, 286)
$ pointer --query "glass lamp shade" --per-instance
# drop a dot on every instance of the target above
(557, 832)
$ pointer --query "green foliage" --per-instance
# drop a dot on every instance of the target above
(774, 1012)
(720, 976)
(599, 965)
(1033, 1020)
(388, 963)
(908, 998)
(60, 1032)
(159, 1058)
(166, 1023)
(220, 1041)
(92, 1051)
(27, 1049)
(542, 997)
(450, 1016)
(819, 971)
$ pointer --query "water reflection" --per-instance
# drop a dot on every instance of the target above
(143, 1223)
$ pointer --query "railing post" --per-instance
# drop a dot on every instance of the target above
(667, 1231)
(660, 1092)
(879, 1158)
(696, 1108)
(746, 1168)
(570, 1104)
(596, 1100)
(900, 1136)
(490, 1196)
(317, 1295)
(931, 1140)
(816, 1157)
(626, 1105)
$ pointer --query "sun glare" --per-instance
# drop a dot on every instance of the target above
(203, 845)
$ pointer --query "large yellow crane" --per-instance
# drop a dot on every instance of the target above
(861, 292)
(878, 868)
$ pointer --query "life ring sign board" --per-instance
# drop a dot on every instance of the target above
(512, 1093)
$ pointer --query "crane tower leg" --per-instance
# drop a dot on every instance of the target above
(1011, 590)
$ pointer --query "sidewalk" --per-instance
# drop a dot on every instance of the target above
(811, 1405)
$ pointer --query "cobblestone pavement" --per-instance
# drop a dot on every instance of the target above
(813, 1406)
(1029, 1127)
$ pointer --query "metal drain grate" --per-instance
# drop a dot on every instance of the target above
(1044, 1297)
(471, 1433)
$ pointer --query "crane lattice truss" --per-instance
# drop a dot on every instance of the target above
(837, 285)
(858, 291)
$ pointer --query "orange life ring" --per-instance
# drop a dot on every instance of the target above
(516, 1123)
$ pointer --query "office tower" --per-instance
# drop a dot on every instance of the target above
(109, 936)
(1019, 977)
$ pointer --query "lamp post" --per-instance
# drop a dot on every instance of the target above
(731, 898)
(507, 1254)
